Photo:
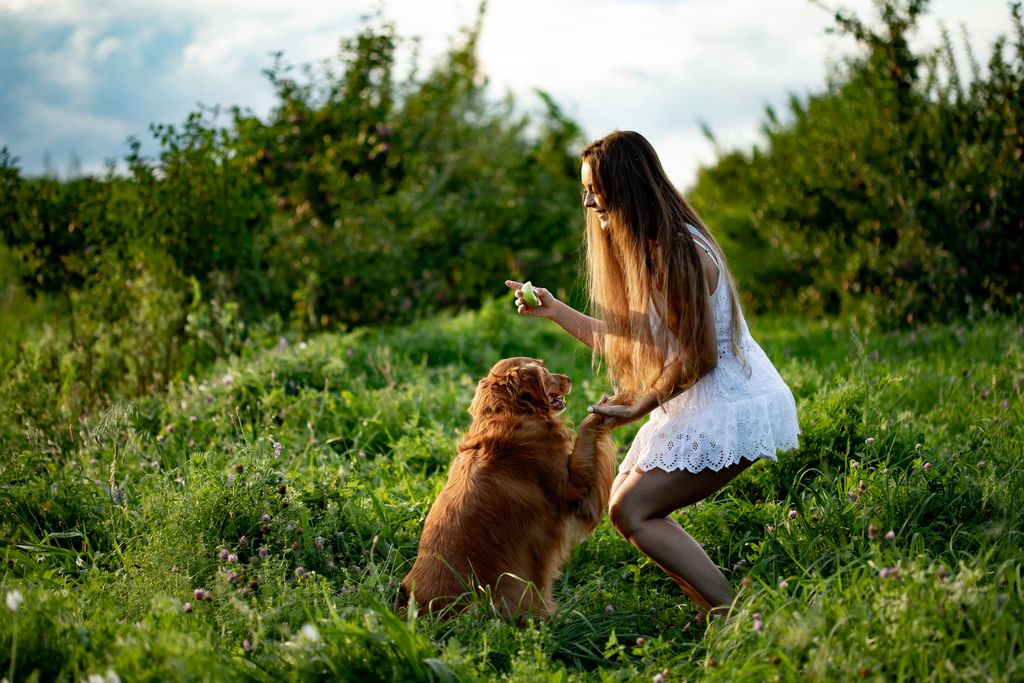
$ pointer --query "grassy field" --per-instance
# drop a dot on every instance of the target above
(253, 524)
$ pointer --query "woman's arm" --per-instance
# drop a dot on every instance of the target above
(588, 330)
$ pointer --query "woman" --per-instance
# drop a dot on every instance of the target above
(668, 323)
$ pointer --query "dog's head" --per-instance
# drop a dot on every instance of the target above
(520, 386)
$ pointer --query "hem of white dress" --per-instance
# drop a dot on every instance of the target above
(683, 468)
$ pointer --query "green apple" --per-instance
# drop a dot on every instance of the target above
(529, 298)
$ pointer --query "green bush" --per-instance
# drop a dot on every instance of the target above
(895, 196)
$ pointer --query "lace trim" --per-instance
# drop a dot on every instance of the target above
(716, 437)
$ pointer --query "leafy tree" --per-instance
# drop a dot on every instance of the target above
(895, 196)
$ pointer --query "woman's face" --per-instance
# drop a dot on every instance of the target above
(590, 198)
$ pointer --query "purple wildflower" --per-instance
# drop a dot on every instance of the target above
(232, 577)
(223, 553)
(265, 519)
(232, 558)
(890, 535)
(187, 608)
(262, 552)
(243, 542)
(870, 440)
(169, 429)
(793, 514)
(246, 645)
(872, 531)
(300, 572)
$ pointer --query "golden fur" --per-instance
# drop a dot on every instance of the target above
(519, 496)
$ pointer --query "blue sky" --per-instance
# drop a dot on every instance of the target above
(78, 77)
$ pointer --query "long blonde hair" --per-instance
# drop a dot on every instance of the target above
(628, 278)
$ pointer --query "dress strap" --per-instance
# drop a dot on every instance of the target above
(703, 244)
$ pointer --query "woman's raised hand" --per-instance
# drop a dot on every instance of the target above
(547, 301)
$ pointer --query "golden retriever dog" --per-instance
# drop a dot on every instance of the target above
(520, 494)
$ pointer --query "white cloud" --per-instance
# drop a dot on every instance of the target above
(660, 67)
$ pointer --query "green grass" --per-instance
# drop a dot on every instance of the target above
(326, 456)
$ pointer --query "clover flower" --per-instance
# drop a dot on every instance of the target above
(262, 552)
(309, 632)
(246, 645)
(231, 577)
(14, 599)
(793, 514)
(232, 558)
(187, 608)
(223, 554)
(758, 624)
(265, 519)
(927, 467)
(243, 542)
(278, 447)
(870, 440)
(890, 535)
(300, 572)
(872, 531)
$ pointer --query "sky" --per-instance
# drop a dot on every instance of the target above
(79, 77)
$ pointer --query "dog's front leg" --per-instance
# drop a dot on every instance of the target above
(591, 470)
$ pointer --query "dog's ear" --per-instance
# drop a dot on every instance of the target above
(530, 389)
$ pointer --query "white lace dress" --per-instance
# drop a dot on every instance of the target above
(728, 415)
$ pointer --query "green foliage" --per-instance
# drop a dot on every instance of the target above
(362, 198)
(291, 486)
(893, 197)
(197, 488)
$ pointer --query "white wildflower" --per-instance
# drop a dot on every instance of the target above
(309, 632)
(14, 599)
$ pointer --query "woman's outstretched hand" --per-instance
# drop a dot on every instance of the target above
(547, 301)
(617, 413)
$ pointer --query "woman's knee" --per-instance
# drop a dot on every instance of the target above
(622, 516)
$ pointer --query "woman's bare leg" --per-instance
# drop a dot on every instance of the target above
(640, 506)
